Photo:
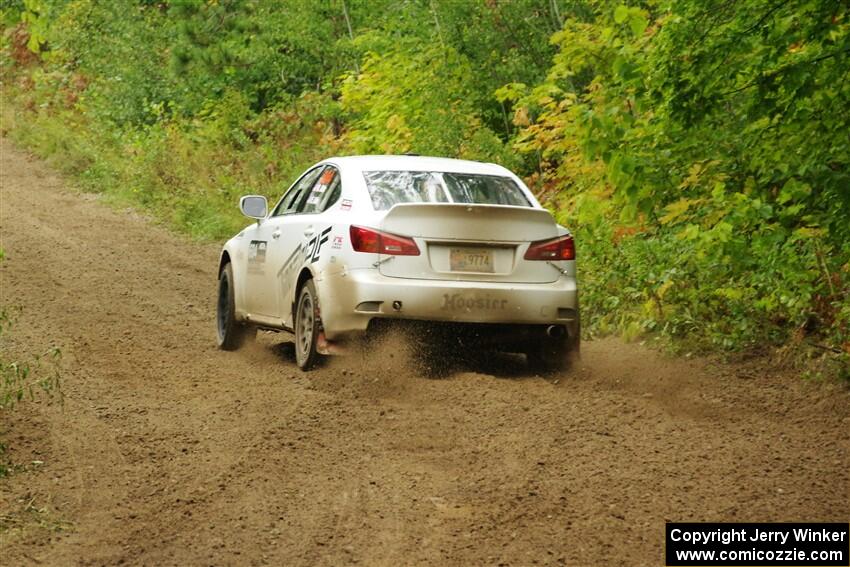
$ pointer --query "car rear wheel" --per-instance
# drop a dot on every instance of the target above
(232, 334)
(307, 327)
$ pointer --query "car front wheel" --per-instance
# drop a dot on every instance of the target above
(232, 334)
(307, 327)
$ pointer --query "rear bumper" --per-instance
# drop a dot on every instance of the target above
(351, 299)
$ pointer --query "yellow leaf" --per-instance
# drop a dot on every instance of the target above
(521, 117)
(677, 209)
(664, 287)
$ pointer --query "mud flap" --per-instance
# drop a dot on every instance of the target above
(326, 347)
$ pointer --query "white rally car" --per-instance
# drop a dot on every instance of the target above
(359, 241)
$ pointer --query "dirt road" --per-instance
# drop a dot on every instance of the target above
(169, 452)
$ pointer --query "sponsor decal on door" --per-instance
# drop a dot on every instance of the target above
(314, 246)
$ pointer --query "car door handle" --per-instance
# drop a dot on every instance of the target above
(276, 234)
(309, 232)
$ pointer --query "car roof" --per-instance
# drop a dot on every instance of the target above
(416, 163)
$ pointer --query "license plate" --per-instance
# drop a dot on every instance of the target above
(471, 260)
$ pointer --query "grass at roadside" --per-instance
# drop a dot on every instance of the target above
(187, 174)
(121, 172)
(23, 379)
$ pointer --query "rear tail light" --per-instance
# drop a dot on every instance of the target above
(377, 242)
(561, 248)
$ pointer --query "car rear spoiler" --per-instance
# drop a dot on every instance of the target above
(460, 221)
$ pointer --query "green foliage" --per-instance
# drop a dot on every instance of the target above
(419, 102)
(719, 131)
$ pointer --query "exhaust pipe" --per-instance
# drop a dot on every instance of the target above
(555, 331)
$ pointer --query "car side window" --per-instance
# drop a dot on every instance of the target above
(324, 193)
(297, 193)
(334, 194)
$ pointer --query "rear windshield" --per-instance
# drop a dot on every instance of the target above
(388, 188)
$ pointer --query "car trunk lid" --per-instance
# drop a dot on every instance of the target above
(469, 242)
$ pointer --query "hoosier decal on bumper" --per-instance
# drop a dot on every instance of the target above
(457, 301)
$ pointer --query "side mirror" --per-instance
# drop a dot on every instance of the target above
(254, 206)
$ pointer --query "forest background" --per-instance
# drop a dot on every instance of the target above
(699, 150)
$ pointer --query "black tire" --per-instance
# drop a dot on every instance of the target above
(308, 325)
(231, 334)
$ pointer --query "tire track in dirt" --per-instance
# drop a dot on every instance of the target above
(170, 452)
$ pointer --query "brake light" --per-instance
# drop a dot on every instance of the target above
(377, 242)
(561, 248)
